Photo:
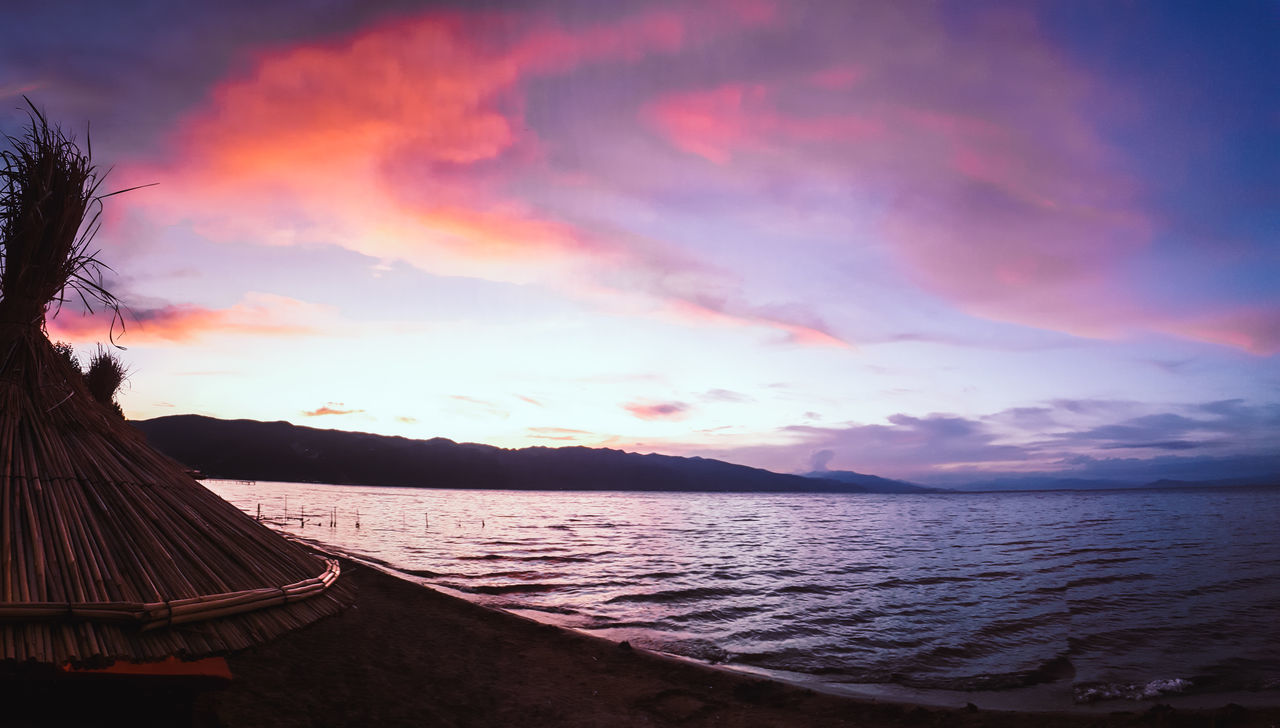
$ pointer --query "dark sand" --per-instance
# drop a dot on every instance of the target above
(405, 655)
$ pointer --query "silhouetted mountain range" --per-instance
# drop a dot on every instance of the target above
(252, 450)
(873, 483)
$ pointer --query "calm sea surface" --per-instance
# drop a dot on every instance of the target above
(1097, 596)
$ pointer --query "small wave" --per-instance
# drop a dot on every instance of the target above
(1108, 560)
(1090, 550)
(698, 649)
(781, 573)
(996, 575)
(661, 575)
(549, 609)
(1006, 627)
(1226, 586)
(679, 595)
(543, 558)
(723, 614)
(1100, 580)
(425, 574)
(921, 581)
(509, 588)
(1092, 693)
(805, 589)
(527, 575)
(860, 569)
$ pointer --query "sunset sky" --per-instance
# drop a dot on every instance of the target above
(924, 240)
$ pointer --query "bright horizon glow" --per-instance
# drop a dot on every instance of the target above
(926, 241)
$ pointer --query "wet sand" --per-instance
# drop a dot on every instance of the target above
(405, 655)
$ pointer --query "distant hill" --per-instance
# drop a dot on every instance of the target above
(1047, 483)
(1272, 481)
(252, 450)
(1059, 483)
(873, 483)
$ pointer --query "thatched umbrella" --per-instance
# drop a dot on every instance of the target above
(108, 549)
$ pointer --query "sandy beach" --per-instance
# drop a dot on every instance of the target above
(405, 655)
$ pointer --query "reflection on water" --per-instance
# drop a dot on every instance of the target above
(1118, 593)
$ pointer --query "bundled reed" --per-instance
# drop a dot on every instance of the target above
(108, 549)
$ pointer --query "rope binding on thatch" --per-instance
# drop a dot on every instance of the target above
(153, 615)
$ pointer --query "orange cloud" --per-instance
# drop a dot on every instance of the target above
(259, 315)
(332, 408)
(344, 142)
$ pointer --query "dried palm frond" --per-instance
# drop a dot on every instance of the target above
(49, 212)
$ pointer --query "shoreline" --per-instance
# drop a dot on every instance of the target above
(1028, 699)
(406, 654)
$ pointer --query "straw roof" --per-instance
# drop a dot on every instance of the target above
(108, 549)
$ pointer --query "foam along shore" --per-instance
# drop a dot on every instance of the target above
(408, 655)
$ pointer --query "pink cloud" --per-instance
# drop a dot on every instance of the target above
(647, 410)
(397, 142)
(736, 118)
(709, 124)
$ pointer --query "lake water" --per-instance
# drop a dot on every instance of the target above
(1069, 597)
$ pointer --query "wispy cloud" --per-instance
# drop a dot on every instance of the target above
(726, 395)
(564, 434)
